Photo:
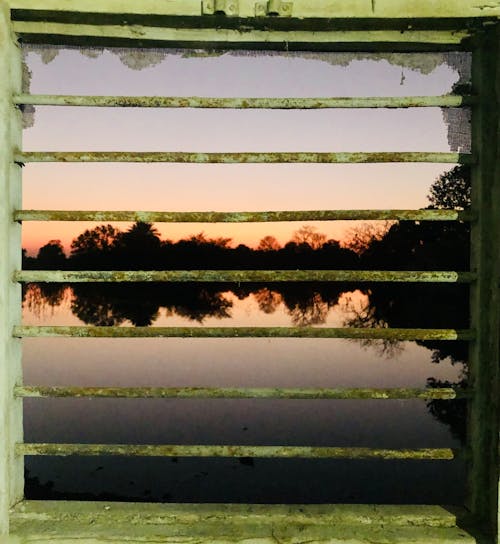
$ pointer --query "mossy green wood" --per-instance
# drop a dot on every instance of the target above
(268, 452)
(11, 467)
(485, 301)
(242, 158)
(27, 331)
(72, 522)
(243, 217)
(239, 393)
(237, 276)
(446, 101)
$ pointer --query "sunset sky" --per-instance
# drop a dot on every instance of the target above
(179, 187)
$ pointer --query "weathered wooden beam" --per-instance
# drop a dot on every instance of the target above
(242, 332)
(446, 101)
(236, 276)
(485, 300)
(192, 514)
(227, 37)
(283, 452)
(445, 393)
(244, 217)
(170, 523)
(347, 9)
(11, 415)
(218, 37)
(240, 158)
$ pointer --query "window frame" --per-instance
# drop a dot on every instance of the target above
(355, 25)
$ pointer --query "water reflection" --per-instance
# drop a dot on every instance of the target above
(254, 362)
(330, 363)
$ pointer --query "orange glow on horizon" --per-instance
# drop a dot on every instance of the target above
(37, 234)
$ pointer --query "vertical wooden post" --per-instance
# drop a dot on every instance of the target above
(11, 466)
(485, 300)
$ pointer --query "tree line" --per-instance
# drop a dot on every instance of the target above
(409, 245)
(141, 248)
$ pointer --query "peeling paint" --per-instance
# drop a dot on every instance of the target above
(27, 109)
(140, 59)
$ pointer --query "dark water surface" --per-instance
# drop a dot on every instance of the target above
(236, 362)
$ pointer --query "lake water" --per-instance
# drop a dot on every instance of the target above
(235, 362)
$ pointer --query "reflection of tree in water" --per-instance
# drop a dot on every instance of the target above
(312, 310)
(416, 306)
(112, 304)
(309, 303)
(37, 297)
(203, 304)
(95, 308)
(360, 313)
(452, 413)
(268, 300)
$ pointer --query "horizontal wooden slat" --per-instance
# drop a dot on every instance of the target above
(169, 514)
(99, 522)
(27, 391)
(447, 101)
(350, 9)
(285, 452)
(236, 276)
(243, 217)
(114, 7)
(72, 522)
(50, 32)
(242, 332)
(237, 158)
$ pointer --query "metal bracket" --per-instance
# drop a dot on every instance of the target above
(273, 8)
(230, 8)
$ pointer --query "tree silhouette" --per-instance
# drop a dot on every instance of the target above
(51, 255)
(452, 189)
(29, 263)
(307, 235)
(95, 246)
(100, 238)
(269, 243)
(361, 237)
(138, 247)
